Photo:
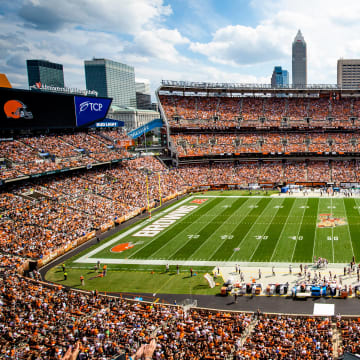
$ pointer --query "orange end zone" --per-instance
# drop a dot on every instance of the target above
(122, 247)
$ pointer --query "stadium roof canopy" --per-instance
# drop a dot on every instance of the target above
(266, 89)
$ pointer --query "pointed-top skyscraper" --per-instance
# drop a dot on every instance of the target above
(299, 63)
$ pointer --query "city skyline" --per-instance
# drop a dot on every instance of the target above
(235, 42)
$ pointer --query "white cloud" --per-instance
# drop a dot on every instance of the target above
(135, 32)
(330, 29)
(159, 43)
(241, 45)
(106, 15)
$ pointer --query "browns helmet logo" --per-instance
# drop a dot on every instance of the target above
(15, 109)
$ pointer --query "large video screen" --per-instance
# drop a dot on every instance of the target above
(24, 109)
(31, 109)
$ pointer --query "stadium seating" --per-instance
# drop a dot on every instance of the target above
(45, 214)
(38, 154)
(40, 320)
(55, 211)
(260, 112)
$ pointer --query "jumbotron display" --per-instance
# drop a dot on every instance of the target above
(22, 109)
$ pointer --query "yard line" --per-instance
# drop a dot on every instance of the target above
(269, 223)
(317, 214)
(233, 196)
(277, 243)
(297, 236)
(170, 228)
(243, 217)
(183, 244)
(332, 234)
(244, 237)
(348, 225)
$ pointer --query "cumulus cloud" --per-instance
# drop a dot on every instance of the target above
(111, 15)
(158, 43)
(241, 45)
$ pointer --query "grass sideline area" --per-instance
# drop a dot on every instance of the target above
(135, 281)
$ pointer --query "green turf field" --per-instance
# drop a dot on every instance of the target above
(230, 228)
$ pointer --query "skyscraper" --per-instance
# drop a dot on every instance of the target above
(143, 97)
(45, 72)
(111, 79)
(280, 77)
(348, 73)
(299, 66)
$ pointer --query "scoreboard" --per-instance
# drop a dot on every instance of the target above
(24, 109)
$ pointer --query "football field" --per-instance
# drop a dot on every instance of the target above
(208, 230)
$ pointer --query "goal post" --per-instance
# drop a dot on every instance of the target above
(149, 208)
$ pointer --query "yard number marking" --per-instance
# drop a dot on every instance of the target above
(191, 236)
(261, 237)
(300, 237)
(225, 237)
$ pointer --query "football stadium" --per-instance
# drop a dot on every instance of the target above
(239, 239)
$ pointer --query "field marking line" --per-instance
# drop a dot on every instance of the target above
(232, 196)
(130, 231)
(297, 236)
(266, 229)
(165, 230)
(332, 233)
(348, 225)
(245, 236)
(236, 223)
(194, 222)
(282, 230)
(165, 283)
(315, 237)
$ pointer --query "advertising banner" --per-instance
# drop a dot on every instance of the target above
(145, 128)
(24, 109)
(90, 109)
(108, 123)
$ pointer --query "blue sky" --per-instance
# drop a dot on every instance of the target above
(195, 40)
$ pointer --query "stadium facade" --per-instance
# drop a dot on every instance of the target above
(314, 128)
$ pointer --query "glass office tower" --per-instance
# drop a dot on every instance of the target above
(280, 77)
(111, 79)
(46, 72)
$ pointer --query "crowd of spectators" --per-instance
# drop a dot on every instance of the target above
(245, 172)
(225, 112)
(285, 337)
(40, 321)
(190, 145)
(37, 154)
(39, 217)
(350, 334)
